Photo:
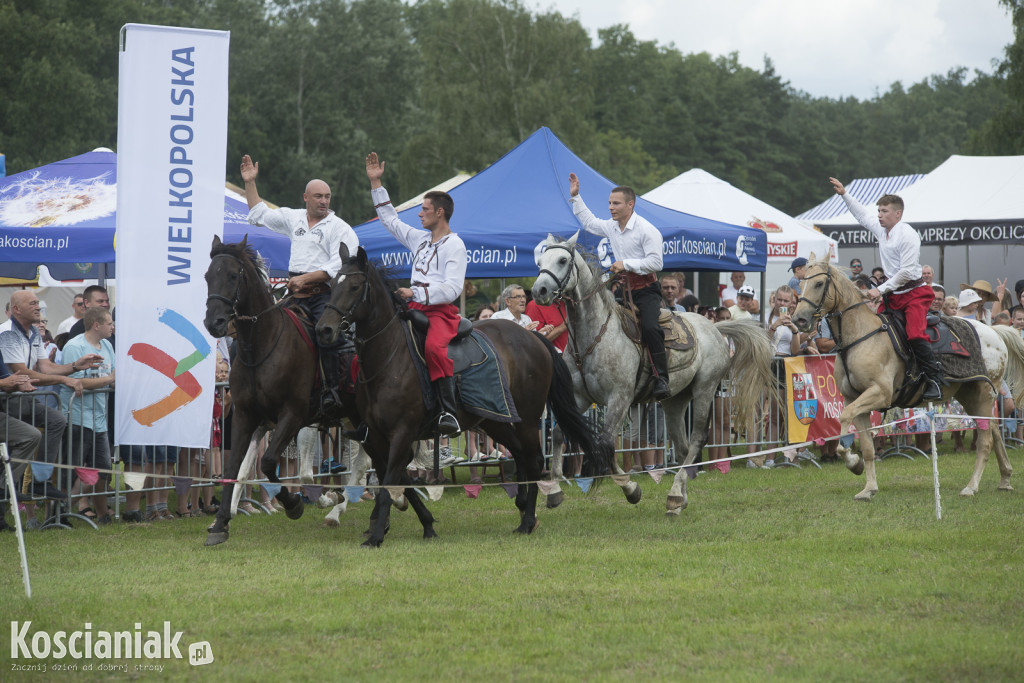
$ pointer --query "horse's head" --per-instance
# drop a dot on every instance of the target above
(819, 293)
(224, 282)
(350, 293)
(558, 270)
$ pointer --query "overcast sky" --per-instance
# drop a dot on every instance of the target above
(828, 48)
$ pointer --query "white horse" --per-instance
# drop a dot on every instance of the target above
(610, 367)
(870, 374)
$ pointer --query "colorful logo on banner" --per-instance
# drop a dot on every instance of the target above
(805, 400)
(813, 398)
(187, 388)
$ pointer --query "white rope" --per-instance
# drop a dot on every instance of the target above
(17, 519)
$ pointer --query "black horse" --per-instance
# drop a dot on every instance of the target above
(272, 378)
(390, 399)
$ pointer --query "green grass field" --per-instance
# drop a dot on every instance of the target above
(768, 574)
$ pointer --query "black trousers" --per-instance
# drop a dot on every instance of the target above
(648, 303)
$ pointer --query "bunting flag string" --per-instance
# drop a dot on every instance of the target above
(472, 490)
(512, 489)
(354, 494)
(547, 487)
(271, 489)
(181, 486)
(434, 492)
(656, 475)
(584, 483)
(312, 491)
(41, 471)
(135, 480)
(88, 475)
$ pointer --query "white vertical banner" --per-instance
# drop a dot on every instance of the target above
(171, 145)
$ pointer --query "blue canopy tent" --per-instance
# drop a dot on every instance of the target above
(63, 216)
(506, 210)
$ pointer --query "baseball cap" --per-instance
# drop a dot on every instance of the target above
(797, 262)
(745, 290)
(968, 297)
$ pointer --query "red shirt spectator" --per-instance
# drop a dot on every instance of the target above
(552, 322)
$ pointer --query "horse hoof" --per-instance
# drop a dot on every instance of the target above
(428, 534)
(331, 523)
(675, 504)
(370, 543)
(634, 497)
(673, 512)
(525, 530)
(401, 503)
(555, 499)
(296, 510)
(216, 537)
(858, 469)
(864, 496)
(967, 492)
(1005, 487)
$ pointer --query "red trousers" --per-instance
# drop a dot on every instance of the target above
(914, 305)
(444, 323)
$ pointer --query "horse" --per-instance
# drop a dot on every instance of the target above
(610, 367)
(271, 379)
(870, 374)
(390, 399)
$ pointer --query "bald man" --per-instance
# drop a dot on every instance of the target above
(316, 233)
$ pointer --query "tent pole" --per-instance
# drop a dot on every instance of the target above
(942, 263)
(764, 293)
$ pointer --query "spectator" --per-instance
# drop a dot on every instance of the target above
(729, 293)
(877, 276)
(744, 301)
(950, 306)
(1003, 301)
(683, 291)
(690, 303)
(969, 304)
(984, 290)
(22, 438)
(722, 314)
(940, 297)
(799, 266)
(551, 322)
(475, 439)
(856, 268)
(1017, 319)
(77, 311)
(786, 339)
(515, 308)
(647, 438)
(89, 444)
(94, 296)
(669, 292)
(928, 274)
(1001, 318)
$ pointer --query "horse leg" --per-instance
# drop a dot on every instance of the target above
(677, 497)
(380, 524)
(392, 483)
(979, 401)
(307, 442)
(285, 431)
(614, 417)
(426, 519)
(871, 399)
(556, 497)
(217, 533)
(1005, 468)
(867, 444)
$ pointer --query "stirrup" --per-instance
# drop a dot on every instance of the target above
(448, 424)
(661, 389)
(932, 390)
(358, 434)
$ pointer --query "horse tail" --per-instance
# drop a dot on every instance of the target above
(598, 453)
(751, 367)
(1014, 374)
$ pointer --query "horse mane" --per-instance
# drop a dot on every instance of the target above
(596, 270)
(387, 278)
(247, 256)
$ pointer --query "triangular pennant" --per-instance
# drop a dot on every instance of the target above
(312, 491)
(135, 480)
(271, 489)
(512, 488)
(42, 471)
(435, 492)
(88, 475)
(354, 494)
(820, 441)
(472, 490)
(181, 485)
(546, 486)
(584, 483)
(656, 475)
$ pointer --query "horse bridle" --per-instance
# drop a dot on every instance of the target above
(233, 302)
(561, 282)
(816, 313)
(346, 316)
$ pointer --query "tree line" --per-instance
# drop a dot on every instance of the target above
(446, 86)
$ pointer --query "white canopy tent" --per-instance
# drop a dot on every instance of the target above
(699, 193)
(975, 204)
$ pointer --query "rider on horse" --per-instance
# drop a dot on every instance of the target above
(438, 273)
(638, 247)
(899, 247)
(315, 233)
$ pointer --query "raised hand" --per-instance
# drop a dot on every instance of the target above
(249, 169)
(574, 185)
(837, 186)
(374, 167)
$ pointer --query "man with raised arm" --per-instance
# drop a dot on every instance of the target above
(638, 248)
(438, 273)
(904, 289)
(315, 232)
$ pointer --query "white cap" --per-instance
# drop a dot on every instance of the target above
(745, 290)
(968, 297)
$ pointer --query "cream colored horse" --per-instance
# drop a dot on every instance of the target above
(869, 373)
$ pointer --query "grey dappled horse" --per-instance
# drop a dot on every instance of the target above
(611, 368)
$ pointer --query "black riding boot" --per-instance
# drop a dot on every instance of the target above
(330, 401)
(931, 368)
(661, 389)
(447, 423)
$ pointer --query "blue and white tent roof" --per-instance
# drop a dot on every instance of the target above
(866, 190)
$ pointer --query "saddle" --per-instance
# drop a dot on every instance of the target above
(680, 341)
(346, 353)
(481, 381)
(954, 342)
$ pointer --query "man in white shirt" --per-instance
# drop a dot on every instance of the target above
(77, 310)
(316, 233)
(514, 297)
(904, 289)
(637, 246)
(439, 261)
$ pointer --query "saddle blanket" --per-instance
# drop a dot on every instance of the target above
(679, 339)
(954, 341)
(481, 381)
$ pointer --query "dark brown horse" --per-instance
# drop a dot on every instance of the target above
(272, 377)
(389, 397)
